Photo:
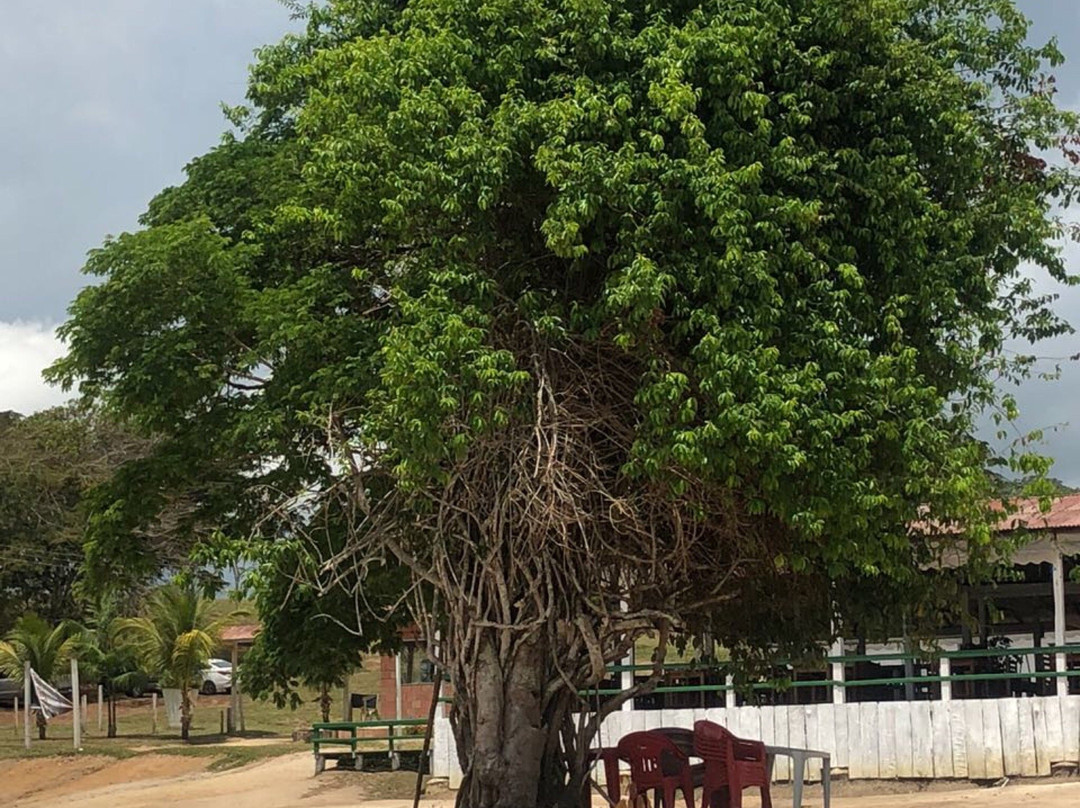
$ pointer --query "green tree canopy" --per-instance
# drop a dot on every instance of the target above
(50, 464)
(601, 319)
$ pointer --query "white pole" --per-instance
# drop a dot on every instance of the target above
(26, 704)
(85, 714)
(75, 703)
(839, 673)
(628, 679)
(100, 699)
(1059, 624)
(397, 687)
(153, 720)
(945, 671)
(16, 716)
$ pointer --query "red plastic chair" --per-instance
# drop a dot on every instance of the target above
(659, 765)
(731, 764)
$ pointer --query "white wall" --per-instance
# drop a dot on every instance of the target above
(963, 739)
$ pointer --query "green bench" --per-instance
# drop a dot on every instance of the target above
(328, 745)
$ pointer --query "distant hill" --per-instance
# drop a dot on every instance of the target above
(1006, 488)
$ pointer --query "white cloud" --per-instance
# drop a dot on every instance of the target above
(26, 349)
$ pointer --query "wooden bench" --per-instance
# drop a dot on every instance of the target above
(327, 744)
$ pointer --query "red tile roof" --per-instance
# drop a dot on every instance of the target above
(240, 633)
(1064, 513)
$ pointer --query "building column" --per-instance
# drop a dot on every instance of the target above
(397, 687)
(945, 671)
(1059, 623)
(839, 673)
(234, 691)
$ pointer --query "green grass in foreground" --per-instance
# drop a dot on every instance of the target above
(138, 733)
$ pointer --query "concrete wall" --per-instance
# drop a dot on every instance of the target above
(960, 739)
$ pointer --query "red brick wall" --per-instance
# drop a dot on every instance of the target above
(415, 698)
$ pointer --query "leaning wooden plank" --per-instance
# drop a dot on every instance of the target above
(826, 720)
(1009, 715)
(941, 741)
(958, 739)
(739, 724)
(797, 730)
(782, 770)
(719, 715)
(1055, 742)
(992, 744)
(751, 721)
(887, 740)
(1070, 727)
(922, 741)
(812, 722)
(869, 741)
(905, 752)
(1029, 766)
(840, 736)
(1042, 736)
(973, 738)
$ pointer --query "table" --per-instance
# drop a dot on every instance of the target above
(798, 765)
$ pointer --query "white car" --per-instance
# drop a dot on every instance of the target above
(217, 678)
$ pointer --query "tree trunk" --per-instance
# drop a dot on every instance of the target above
(111, 710)
(185, 714)
(41, 725)
(503, 735)
(324, 702)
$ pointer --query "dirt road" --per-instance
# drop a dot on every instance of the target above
(178, 782)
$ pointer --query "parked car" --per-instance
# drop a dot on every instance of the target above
(9, 691)
(217, 677)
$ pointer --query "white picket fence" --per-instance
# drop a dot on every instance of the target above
(979, 739)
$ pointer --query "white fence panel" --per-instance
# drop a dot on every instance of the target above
(976, 739)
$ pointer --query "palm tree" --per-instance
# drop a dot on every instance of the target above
(174, 640)
(47, 648)
(107, 659)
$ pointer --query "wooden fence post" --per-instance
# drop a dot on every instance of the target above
(26, 704)
(76, 703)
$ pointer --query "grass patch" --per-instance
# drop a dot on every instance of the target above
(138, 733)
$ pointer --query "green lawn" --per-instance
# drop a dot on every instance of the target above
(138, 733)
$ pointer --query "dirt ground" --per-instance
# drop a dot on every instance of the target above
(179, 782)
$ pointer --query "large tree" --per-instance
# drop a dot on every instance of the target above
(603, 319)
(50, 464)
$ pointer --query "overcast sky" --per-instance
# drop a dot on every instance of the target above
(105, 101)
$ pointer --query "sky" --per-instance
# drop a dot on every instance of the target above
(104, 103)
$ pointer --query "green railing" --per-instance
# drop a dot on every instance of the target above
(355, 741)
(782, 685)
